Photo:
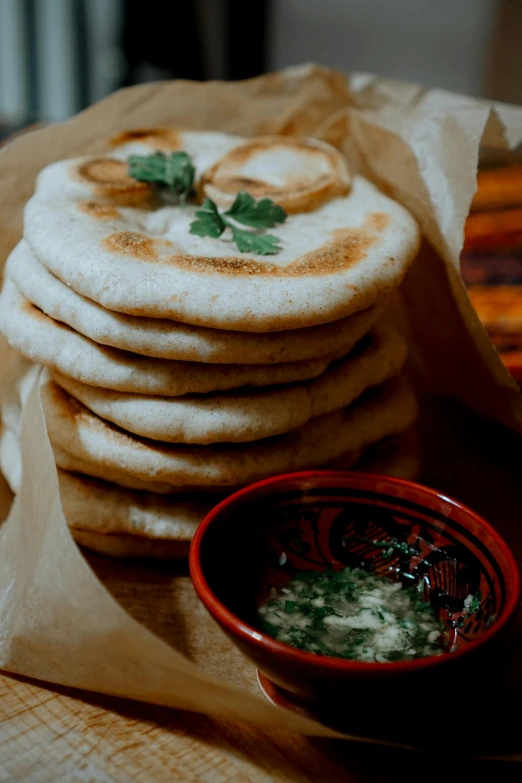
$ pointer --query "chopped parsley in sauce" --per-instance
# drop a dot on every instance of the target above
(352, 614)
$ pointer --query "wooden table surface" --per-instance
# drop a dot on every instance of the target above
(55, 735)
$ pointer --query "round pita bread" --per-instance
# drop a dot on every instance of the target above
(100, 233)
(298, 174)
(110, 452)
(115, 522)
(130, 546)
(97, 509)
(55, 345)
(11, 407)
(163, 339)
(248, 415)
(97, 512)
(122, 523)
(75, 464)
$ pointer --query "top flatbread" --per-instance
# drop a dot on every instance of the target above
(101, 233)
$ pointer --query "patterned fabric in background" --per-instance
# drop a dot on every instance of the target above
(491, 261)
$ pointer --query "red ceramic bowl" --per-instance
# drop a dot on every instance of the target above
(261, 536)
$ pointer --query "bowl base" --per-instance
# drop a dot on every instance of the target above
(280, 697)
(433, 730)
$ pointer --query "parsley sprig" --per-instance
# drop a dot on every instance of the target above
(246, 210)
(177, 172)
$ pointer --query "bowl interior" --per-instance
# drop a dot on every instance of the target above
(396, 529)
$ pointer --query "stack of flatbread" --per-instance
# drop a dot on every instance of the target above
(179, 368)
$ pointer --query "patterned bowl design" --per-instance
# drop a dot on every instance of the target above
(263, 535)
(392, 537)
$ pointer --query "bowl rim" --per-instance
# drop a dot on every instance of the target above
(253, 636)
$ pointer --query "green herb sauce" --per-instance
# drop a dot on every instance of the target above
(352, 614)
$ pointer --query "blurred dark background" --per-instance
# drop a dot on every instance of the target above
(57, 56)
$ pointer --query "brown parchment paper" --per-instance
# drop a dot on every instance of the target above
(138, 631)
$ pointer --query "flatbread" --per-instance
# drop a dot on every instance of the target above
(114, 522)
(75, 464)
(122, 478)
(99, 507)
(110, 451)
(129, 546)
(55, 345)
(11, 408)
(248, 415)
(165, 339)
(298, 174)
(124, 524)
(108, 519)
(102, 234)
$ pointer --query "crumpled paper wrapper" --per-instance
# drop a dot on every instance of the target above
(139, 631)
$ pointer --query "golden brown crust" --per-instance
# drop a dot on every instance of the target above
(132, 243)
(164, 139)
(109, 179)
(38, 315)
(99, 210)
(346, 247)
(71, 409)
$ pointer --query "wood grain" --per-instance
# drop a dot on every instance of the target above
(53, 735)
(59, 736)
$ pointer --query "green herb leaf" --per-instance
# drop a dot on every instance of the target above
(262, 244)
(475, 603)
(148, 168)
(245, 210)
(175, 171)
(257, 214)
(210, 223)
